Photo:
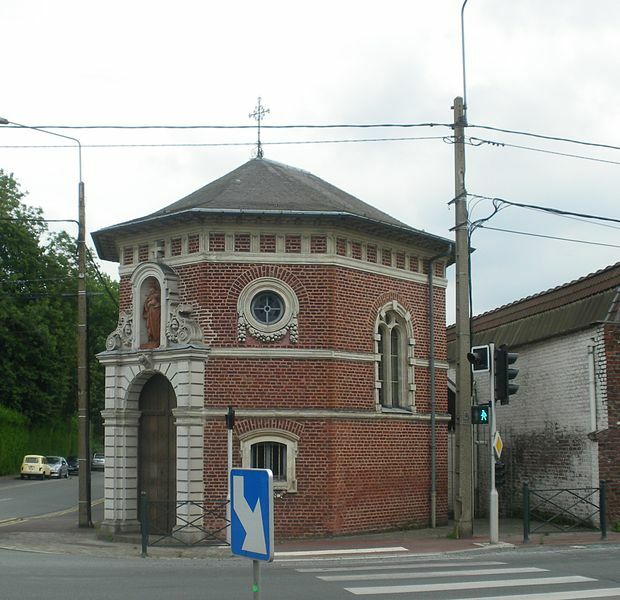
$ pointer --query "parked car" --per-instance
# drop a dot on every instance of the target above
(73, 465)
(58, 466)
(98, 461)
(34, 465)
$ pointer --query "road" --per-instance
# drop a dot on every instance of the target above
(27, 499)
(525, 573)
(548, 574)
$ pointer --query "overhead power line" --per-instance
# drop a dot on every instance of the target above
(474, 141)
(298, 126)
(556, 211)
(224, 144)
(545, 137)
(328, 126)
(550, 237)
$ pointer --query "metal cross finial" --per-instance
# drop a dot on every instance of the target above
(259, 114)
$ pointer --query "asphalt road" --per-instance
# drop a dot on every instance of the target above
(27, 499)
(549, 574)
(528, 572)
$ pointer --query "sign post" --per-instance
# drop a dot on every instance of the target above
(493, 435)
(251, 519)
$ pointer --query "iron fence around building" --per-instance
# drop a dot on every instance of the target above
(183, 523)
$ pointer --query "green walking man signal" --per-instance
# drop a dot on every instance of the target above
(480, 414)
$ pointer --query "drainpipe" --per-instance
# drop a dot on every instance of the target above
(431, 366)
(593, 409)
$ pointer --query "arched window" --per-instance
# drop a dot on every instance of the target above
(394, 374)
(272, 449)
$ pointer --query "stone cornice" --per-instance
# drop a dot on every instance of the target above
(309, 354)
(296, 259)
(399, 415)
(291, 353)
(142, 356)
(121, 417)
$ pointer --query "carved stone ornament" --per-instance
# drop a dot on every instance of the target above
(243, 328)
(146, 360)
(181, 328)
(122, 337)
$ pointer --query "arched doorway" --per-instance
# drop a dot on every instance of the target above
(157, 453)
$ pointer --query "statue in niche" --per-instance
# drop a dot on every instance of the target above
(151, 312)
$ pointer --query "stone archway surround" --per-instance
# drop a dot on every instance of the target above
(126, 373)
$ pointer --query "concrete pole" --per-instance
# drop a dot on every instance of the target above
(84, 504)
(463, 509)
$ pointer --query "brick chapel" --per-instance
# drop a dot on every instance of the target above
(318, 318)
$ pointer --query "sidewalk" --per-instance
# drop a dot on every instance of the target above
(62, 535)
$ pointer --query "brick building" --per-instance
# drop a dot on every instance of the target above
(307, 311)
(561, 428)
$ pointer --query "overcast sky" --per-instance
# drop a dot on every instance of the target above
(547, 67)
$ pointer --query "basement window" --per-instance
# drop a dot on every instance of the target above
(275, 450)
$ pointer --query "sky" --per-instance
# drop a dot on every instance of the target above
(547, 68)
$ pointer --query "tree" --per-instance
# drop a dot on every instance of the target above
(38, 314)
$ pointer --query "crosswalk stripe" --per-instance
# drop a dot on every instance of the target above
(406, 565)
(571, 595)
(465, 585)
(341, 551)
(427, 575)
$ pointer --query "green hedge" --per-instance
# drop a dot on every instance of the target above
(17, 438)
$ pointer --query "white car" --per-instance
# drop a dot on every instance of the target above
(98, 461)
(58, 466)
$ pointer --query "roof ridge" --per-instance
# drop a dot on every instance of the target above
(560, 295)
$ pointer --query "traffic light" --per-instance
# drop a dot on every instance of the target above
(500, 473)
(480, 414)
(230, 418)
(479, 358)
(504, 374)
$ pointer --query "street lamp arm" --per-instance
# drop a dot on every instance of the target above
(4, 121)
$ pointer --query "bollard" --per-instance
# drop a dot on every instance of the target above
(144, 524)
(526, 512)
(602, 507)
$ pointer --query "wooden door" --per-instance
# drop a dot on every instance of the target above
(157, 453)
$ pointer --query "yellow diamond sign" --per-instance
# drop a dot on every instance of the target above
(497, 444)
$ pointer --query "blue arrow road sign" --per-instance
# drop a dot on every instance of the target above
(251, 514)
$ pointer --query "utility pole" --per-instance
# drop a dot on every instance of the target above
(84, 503)
(463, 509)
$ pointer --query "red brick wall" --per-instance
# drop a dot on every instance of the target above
(267, 243)
(217, 242)
(353, 475)
(318, 244)
(242, 242)
(337, 306)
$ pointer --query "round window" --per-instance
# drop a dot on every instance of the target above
(267, 307)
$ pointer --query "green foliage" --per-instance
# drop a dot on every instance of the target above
(38, 315)
(18, 439)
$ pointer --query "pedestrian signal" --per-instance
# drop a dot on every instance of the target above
(480, 414)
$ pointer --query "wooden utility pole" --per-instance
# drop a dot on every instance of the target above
(463, 508)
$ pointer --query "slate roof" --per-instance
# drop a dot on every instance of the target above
(263, 187)
(577, 305)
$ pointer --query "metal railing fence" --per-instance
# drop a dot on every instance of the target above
(186, 523)
(563, 510)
